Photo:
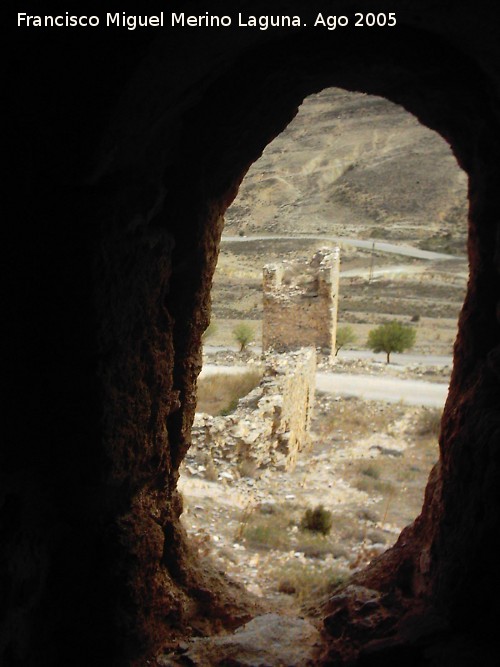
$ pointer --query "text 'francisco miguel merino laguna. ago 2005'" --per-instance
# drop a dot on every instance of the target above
(206, 20)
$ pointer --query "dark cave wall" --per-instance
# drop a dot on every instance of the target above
(464, 546)
(120, 176)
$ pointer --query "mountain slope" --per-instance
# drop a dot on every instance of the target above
(356, 165)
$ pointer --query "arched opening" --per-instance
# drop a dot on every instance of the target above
(358, 171)
(233, 121)
(100, 499)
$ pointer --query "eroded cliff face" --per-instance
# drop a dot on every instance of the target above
(124, 157)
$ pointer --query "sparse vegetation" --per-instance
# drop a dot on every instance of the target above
(370, 485)
(276, 526)
(370, 470)
(230, 407)
(267, 543)
(302, 580)
(391, 337)
(210, 331)
(345, 336)
(248, 468)
(219, 394)
(429, 423)
(347, 416)
(318, 520)
(261, 529)
(243, 334)
(210, 470)
(264, 535)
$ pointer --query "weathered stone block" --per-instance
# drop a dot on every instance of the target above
(300, 303)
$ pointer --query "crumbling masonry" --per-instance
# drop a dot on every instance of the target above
(270, 426)
(300, 303)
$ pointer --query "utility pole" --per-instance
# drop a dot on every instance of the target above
(370, 276)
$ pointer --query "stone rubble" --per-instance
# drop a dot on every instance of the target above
(269, 427)
(327, 363)
(217, 511)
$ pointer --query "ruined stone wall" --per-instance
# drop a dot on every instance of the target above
(270, 426)
(300, 303)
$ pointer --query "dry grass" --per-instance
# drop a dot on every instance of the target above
(265, 527)
(370, 469)
(279, 527)
(265, 535)
(429, 423)
(374, 486)
(276, 528)
(305, 580)
(219, 394)
(358, 418)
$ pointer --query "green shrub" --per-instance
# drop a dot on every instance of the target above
(391, 337)
(244, 334)
(345, 336)
(317, 520)
(230, 407)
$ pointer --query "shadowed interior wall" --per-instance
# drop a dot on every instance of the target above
(125, 150)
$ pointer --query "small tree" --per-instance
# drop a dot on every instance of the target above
(391, 337)
(345, 336)
(243, 334)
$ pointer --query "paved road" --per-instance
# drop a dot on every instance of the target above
(381, 246)
(376, 388)
(403, 359)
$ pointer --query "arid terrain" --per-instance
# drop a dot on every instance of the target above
(359, 169)
(368, 466)
(355, 165)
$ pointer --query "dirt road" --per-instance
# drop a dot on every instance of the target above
(392, 390)
(379, 246)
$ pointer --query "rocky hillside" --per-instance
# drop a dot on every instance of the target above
(356, 165)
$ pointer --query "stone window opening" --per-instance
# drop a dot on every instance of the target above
(365, 532)
(121, 223)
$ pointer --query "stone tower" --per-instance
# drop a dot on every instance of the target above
(300, 303)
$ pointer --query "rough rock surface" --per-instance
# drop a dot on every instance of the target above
(266, 641)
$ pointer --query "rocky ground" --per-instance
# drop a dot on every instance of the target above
(368, 466)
